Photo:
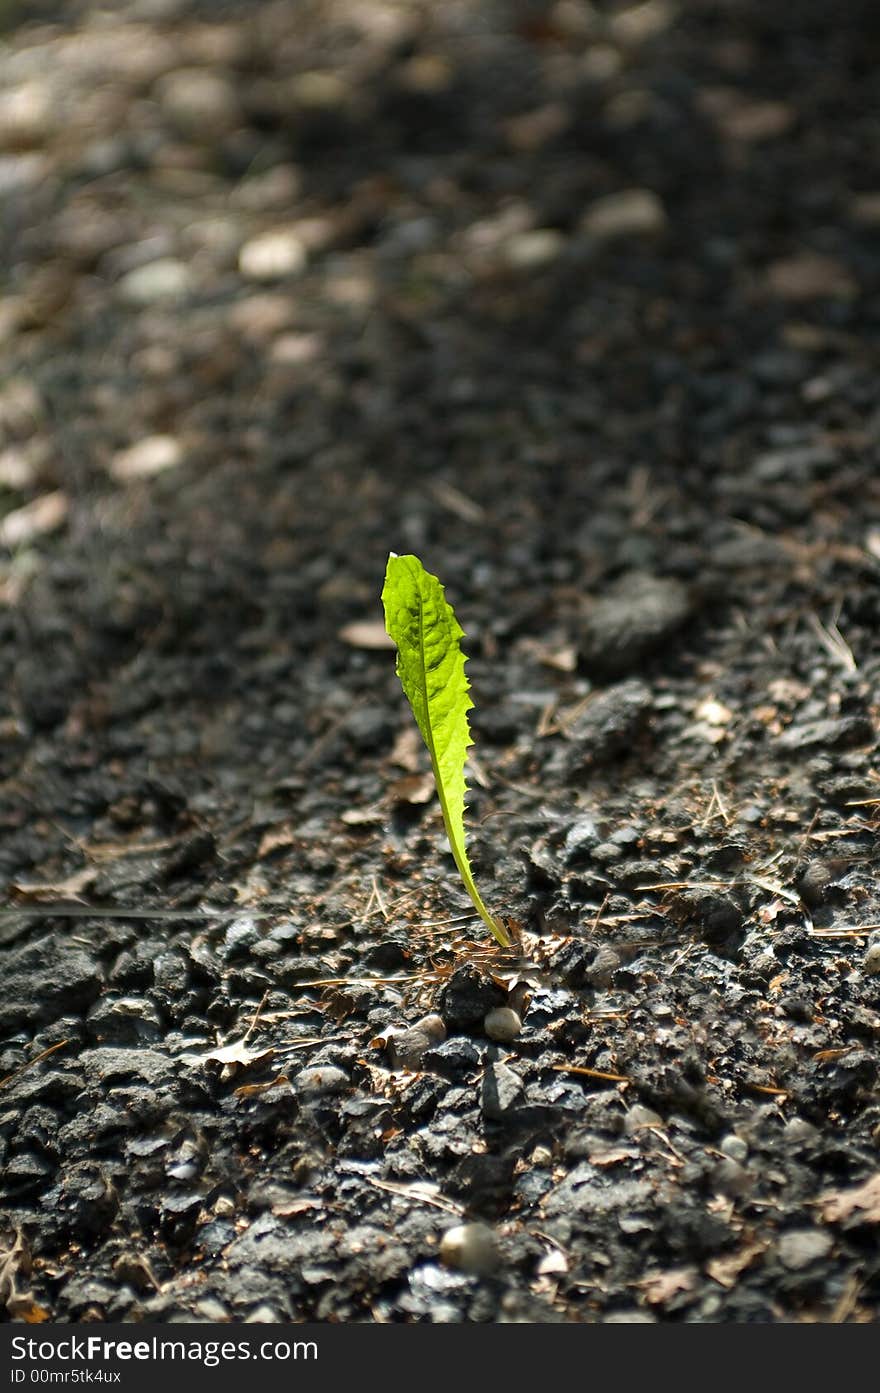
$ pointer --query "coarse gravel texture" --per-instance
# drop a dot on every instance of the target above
(579, 303)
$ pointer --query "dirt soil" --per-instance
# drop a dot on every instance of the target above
(580, 304)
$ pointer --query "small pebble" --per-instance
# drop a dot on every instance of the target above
(632, 212)
(629, 1317)
(152, 455)
(638, 1118)
(731, 1179)
(406, 1047)
(800, 1247)
(164, 279)
(200, 103)
(734, 1148)
(466, 998)
(318, 90)
(470, 1248)
(529, 250)
(809, 276)
(502, 1092)
(871, 960)
(502, 1025)
(602, 968)
(263, 1315)
(27, 114)
(321, 1080)
(212, 1310)
(272, 256)
(798, 1129)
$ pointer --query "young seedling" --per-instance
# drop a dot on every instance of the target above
(430, 665)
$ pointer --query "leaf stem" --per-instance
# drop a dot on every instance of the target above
(493, 925)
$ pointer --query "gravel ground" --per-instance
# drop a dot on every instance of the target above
(580, 303)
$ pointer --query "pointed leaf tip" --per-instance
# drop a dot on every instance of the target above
(430, 665)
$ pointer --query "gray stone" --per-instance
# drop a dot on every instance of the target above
(165, 279)
(470, 1248)
(34, 993)
(407, 1047)
(611, 722)
(835, 733)
(628, 213)
(503, 1092)
(321, 1081)
(800, 1248)
(502, 1024)
(466, 998)
(107, 1065)
(636, 615)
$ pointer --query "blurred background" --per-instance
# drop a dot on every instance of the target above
(548, 292)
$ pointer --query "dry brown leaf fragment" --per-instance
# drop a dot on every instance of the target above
(413, 788)
(236, 1056)
(859, 1202)
(276, 838)
(146, 458)
(726, 1270)
(253, 1090)
(407, 752)
(366, 633)
(27, 1309)
(552, 1264)
(35, 519)
(70, 888)
(612, 1155)
(15, 1266)
(808, 275)
(560, 656)
(457, 502)
(301, 1204)
(15, 1261)
(363, 817)
(660, 1287)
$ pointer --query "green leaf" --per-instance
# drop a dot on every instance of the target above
(430, 665)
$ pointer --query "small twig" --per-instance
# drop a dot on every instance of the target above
(407, 1193)
(661, 1136)
(598, 916)
(846, 1302)
(377, 894)
(765, 1088)
(256, 1016)
(716, 802)
(686, 885)
(358, 981)
(833, 642)
(808, 834)
(75, 911)
(457, 502)
(304, 1044)
(31, 1062)
(589, 1073)
(845, 933)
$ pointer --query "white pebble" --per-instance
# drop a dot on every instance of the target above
(734, 1147)
(626, 214)
(502, 1024)
(529, 250)
(272, 256)
(164, 279)
(199, 102)
(152, 455)
(27, 116)
(470, 1248)
(871, 960)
